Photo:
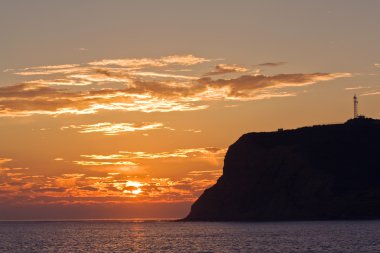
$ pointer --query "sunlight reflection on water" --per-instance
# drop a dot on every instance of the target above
(118, 236)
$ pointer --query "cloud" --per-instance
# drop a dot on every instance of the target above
(88, 188)
(60, 82)
(108, 128)
(49, 70)
(110, 188)
(163, 75)
(50, 189)
(204, 153)
(253, 86)
(139, 162)
(371, 93)
(225, 69)
(96, 75)
(184, 60)
(231, 106)
(102, 163)
(203, 172)
(31, 99)
(4, 160)
(122, 85)
(63, 66)
(100, 72)
(357, 88)
(271, 64)
(193, 130)
(73, 175)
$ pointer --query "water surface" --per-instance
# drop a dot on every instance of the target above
(158, 236)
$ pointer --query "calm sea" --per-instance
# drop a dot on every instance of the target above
(157, 236)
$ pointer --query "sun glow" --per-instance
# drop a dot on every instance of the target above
(133, 187)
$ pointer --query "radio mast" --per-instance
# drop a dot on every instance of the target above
(356, 104)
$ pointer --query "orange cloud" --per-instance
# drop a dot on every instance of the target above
(371, 93)
(226, 69)
(102, 163)
(185, 60)
(60, 82)
(30, 99)
(4, 160)
(110, 188)
(253, 86)
(163, 75)
(357, 88)
(49, 70)
(193, 130)
(89, 89)
(63, 66)
(108, 128)
(204, 153)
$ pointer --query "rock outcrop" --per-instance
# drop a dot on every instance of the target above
(310, 173)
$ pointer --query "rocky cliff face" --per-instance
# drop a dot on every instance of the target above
(319, 172)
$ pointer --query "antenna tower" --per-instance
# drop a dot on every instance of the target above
(356, 104)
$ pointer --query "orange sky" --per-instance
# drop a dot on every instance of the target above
(133, 119)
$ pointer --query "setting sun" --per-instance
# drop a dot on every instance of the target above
(133, 187)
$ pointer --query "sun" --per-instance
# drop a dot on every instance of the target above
(134, 187)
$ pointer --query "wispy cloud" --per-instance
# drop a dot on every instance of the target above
(108, 128)
(31, 99)
(249, 87)
(357, 88)
(193, 130)
(185, 60)
(60, 82)
(4, 160)
(271, 64)
(226, 69)
(204, 153)
(136, 162)
(163, 75)
(123, 85)
(102, 163)
(371, 93)
(62, 66)
(49, 70)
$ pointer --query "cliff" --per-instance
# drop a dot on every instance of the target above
(310, 173)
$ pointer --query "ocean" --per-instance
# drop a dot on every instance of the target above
(165, 236)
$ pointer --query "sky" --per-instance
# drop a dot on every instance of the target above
(125, 109)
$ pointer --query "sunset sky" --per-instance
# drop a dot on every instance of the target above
(125, 109)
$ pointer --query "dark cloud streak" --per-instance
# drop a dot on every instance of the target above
(271, 64)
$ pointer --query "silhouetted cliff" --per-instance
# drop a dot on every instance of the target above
(319, 172)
